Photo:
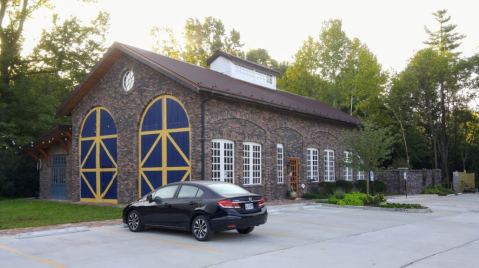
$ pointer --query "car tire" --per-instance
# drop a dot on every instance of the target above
(134, 221)
(201, 228)
(246, 230)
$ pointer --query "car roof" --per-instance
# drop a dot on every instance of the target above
(200, 182)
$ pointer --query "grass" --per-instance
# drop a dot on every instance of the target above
(21, 213)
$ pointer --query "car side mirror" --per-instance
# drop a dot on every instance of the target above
(149, 198)
(158, 200)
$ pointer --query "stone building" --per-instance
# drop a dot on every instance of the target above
(141, 120)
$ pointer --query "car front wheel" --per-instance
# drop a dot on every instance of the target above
(201, 229)
(134, 221)
(245, 230)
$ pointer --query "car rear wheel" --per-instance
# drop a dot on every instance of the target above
(134, 221)
(245, 230)
(201, 229)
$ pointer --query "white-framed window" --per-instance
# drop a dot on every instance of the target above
(222, 161)
(348, 171)
(253, 74)
(280, 163)
(128, 80)
(328, 165)
(251, 163)
(312, 160)
(360, 175)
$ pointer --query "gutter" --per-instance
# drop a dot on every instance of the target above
(203, 160)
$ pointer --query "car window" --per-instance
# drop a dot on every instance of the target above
(227, 188)
(188, 191)
(166, 192)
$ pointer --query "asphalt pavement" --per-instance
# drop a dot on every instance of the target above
(298, 235)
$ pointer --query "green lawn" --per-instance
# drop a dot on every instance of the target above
(20, 213)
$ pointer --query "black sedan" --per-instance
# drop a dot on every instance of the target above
(202, 207)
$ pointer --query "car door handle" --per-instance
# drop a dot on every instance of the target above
(166, 205)
(192, 203)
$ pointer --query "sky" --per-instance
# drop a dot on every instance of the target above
(393, 30)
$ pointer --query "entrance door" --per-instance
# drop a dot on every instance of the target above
(58, 177)
(293, 175)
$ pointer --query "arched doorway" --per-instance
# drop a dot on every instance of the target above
(164, 146)
(98, 157)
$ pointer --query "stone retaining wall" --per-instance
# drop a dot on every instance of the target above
(417, 180)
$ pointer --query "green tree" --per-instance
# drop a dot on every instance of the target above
(261, 56)
(200, 41)
(33, 86)
(369, 146)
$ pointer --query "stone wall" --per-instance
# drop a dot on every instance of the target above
(417, 180)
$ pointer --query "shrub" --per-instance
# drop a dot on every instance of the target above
(439, 190)
(327, 187)
(374, 199)
(354, 199)
(339, 194)
(316, 196)
(361, 186)
(379, 186)
(400, 205)
(346, 186)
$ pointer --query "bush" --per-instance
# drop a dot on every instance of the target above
(400, 205)
(346, 186)
(327, 187)
(339, 194)
(379, 186)
(316, 196)
(439, 190)
(374, 199)
(353, 199)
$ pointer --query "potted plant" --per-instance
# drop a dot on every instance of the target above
(293, 194)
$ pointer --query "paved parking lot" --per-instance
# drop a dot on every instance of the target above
(292, 237)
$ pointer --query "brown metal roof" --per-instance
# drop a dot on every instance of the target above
(201, 79)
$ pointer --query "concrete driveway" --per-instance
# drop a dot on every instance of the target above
(294, 236)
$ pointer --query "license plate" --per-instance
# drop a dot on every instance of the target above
(248, 206)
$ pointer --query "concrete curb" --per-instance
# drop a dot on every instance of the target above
(52, 232)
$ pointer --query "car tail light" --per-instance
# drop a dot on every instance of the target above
(261, 203)
(228, 204)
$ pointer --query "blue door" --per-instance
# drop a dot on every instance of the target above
(58, 177)
(164, 144)
(98, 156)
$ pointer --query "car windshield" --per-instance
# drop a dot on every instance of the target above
(227, 189)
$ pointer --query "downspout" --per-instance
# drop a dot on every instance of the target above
(203, 160)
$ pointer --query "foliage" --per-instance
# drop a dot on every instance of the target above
(369, 147)
(339, 194)
(346, 186)
(439, 190)
(371, 200)
(33, 86)
(379, 186)
(21, 213)
(315, 196)
(339, 71)
(201, 40)
(327, 187)
(353, 199)
(401, 205)
(18, 175)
